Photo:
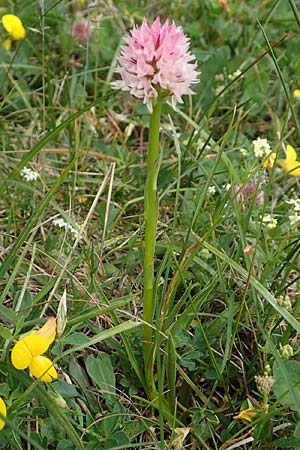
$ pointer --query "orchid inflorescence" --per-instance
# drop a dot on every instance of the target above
(156, 60)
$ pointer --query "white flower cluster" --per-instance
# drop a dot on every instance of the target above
(269, 221)
(285, 302)
(295, 217)
(29, 174)
(62, 224)
(212, 190)
(235, 74)
(261, 147)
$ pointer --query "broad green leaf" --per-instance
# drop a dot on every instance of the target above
(65, 444)
(100, 369)
(281, 390)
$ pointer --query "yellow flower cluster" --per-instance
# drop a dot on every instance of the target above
(14, 27)
(289, 163)
(28, 352)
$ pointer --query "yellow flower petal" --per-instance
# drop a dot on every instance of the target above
(7, 44)
(247, 414)
(48, 330)
(18, 33)
(294, 169)
(20, 355)
(13, 25)
(291, 154)
(296, 94)
(269, 161)
(10, 21)
(3, 413)
(42, 368)
(290, 163)
(27, 348)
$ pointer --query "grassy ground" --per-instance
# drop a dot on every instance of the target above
(227, 255)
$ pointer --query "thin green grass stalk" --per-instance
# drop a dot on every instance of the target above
(42, 24)
(205, 338)
(96, 311)
(284, 84)
(160, 385)
(26, 281)
(171, 374)
(124, 337)
(253, 282)
(74, 246)
(178, 177)
(36, 216)
(295, 12)
(151, 218)
(15, 270)
(42, 143)
(106, 334)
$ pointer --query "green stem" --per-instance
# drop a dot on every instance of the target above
(151, 217)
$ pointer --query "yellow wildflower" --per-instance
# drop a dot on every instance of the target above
(7, 44)
(296, 94)
(290, 163)
(247, 414)
(28, 351)
(269, 161)
(13, 25)
(3, 413)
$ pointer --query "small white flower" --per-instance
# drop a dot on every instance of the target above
(226, 186)
(212, 190)
(261, 147)
(295, 203)
(294, 218)
(269, 221)
(62, 224)
(59, 222)
(235, 74)
(29, 174)
(243, 151)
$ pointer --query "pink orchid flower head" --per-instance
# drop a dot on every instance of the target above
(156, 59)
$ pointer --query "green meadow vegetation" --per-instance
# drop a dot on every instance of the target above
(217, 367)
